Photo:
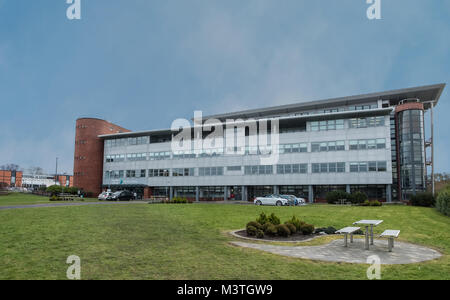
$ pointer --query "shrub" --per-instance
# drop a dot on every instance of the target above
(366, 203)
(307, 229)
(252, 231)
(254, 224)
(274, 219)
(291, 227)
(54, 198)
(270, 230)
(283, 230)
(335, 196)
(327, 230)
(262, 219)
(443, 202)
(358, 197)
(260, 234)
(54, 190)
(296, 222)
(423, 199)
(375, 203)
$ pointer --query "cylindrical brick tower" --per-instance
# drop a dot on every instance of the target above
(88, 160)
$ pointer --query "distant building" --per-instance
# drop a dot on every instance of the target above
(32, 181)
(11, 178)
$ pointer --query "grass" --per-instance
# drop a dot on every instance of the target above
(188, 241)
(29, 199)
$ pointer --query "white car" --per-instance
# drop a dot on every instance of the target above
(104, 196)
(271, 200)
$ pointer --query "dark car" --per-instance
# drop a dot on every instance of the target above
(122, 196)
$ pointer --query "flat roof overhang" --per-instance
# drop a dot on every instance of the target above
(287, 119)
(426, 94)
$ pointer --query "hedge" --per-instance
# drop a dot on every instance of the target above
(443, 202)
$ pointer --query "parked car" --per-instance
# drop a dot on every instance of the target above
(122, 196)
(271, 200)
(294, 200)
(105, 196)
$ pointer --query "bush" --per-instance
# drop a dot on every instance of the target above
(54, 190)
(291, 227)
(443, 202)
(307, 229)
(252, 231)
(358, 197)
(423, 199)
(296, 222)
(54, 198)
(335, 196)
(262, 219)
(274, 219)
(283, 230)
(254, 224)
(260, 234)
(270, 229)
(375, 203)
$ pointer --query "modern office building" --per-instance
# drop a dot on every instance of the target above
(374, 143)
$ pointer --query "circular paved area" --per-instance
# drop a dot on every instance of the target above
(403, 253)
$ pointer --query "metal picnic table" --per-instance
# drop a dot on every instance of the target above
(367, 223)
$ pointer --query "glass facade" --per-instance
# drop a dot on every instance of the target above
(412, 152)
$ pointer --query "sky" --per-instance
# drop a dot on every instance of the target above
(143, 63)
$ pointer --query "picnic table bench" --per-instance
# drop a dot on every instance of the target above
(348, 231)
(390, 234)
(69, 197)
(368, 223)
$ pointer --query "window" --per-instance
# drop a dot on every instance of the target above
(131, 173)
(234, 168)
(258, 170)
(382, 166)
(340, 167)
(316, 168)
(210, 171)
(367, 122)
(180, 172)
(354, 167)
(372, 166)
(381, 143)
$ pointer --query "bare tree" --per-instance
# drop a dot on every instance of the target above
(36, 171)
(10, 167)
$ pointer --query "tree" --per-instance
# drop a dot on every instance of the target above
(36, 171)
(10, 167)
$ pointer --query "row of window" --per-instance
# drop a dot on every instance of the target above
(367, 144)
(314, 126)
(284, 148)
(333, 167)
(371, 166)
(366, 122)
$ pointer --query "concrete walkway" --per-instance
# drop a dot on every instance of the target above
(69, 204)
(403, 253)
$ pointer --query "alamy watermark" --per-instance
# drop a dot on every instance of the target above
(374, 10)
(232, 137)
(374, 271)
(74, 270)
(73, 12)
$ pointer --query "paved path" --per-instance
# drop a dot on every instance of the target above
(403, 253)
(67, 204)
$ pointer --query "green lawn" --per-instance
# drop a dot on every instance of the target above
(188, 241)
(28, 199)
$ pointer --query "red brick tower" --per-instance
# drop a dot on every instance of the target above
(88, 160)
